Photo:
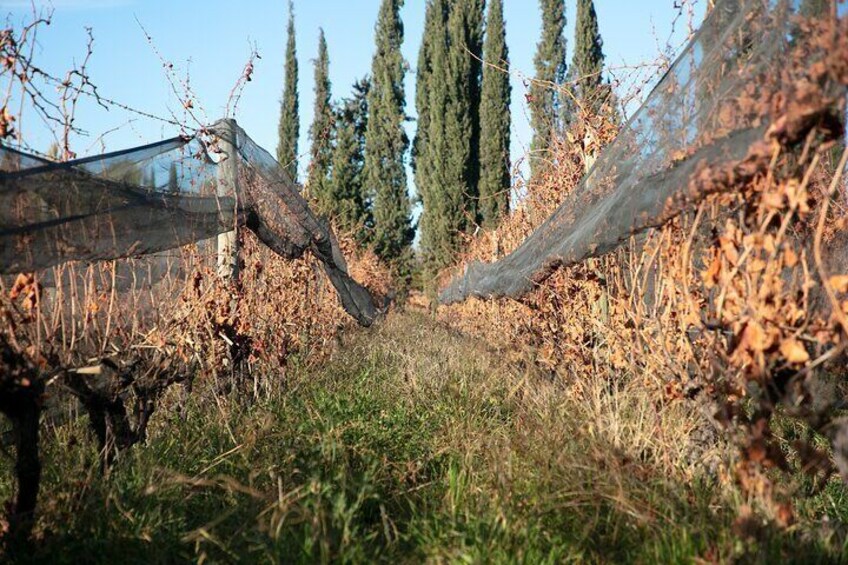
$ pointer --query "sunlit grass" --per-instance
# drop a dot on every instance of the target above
(412, 444)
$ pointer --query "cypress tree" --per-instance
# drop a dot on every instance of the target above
(350, 204)
(321, 131)
(289, 128)
(464, 78)
(385, 139)
(474, 12)
(588, 63)
(449, 189)
(439, 221)
(495, 120)
(545, 101)
(422, 161)
(423, 73)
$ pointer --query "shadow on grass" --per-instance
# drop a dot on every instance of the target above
(391, 454)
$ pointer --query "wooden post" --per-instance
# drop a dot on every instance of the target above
(228, 187)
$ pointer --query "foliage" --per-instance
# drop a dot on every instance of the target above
(349, 201)
(680, 399)
(167, 320)
(433, 16)
(289, 128)
(412, 445)
(321, 132)
(545, 98)
(587, 66)
(470, 49)
(495, 121)
(422, 148)
(736, 308)
(449, 152)
(386, 142)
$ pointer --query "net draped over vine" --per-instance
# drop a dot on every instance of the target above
(155, 198)
(706, 127)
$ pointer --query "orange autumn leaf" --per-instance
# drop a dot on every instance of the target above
(729, 249)
(753, 337)
(711, 275)
(785, 515)
(793, 351)
(839, 283)
(790, 258)
(757, 452)
(22, 282)
(773, 201)
(756, 266)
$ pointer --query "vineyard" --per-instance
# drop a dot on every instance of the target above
(644, 360)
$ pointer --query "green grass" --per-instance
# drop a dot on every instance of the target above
(412, 444)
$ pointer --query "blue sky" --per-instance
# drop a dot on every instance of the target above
(212, 39)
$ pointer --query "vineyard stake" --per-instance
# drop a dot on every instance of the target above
(228, 187)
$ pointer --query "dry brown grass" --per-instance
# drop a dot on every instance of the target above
(724, 314)
(122, 332)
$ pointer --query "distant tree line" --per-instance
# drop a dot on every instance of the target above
(461, 152)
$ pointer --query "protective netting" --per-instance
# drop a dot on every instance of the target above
(283, 221)
(159, 197)
(751, 77)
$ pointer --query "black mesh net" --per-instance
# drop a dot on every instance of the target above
(155, 198)
(283, 221)
(706, 127)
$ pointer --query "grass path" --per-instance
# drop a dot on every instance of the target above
(411, 444)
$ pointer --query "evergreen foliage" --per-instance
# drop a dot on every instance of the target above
(545, 98)
(386, 141)
(420, 164)
(321, 152)
(442, 195)
(495, 120)
(348, 200)
(289, 128)
(447, 148)
(588, 64)
(474, 14)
